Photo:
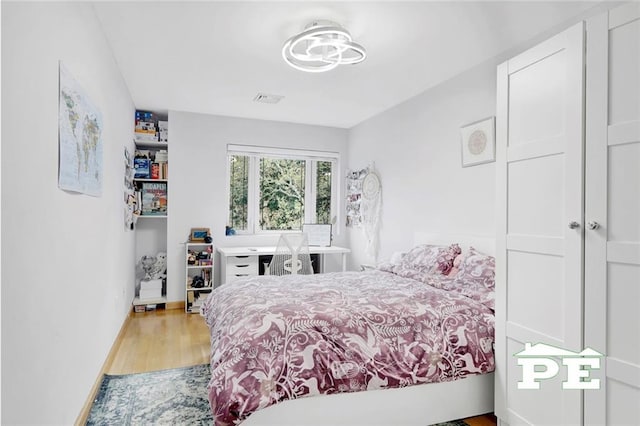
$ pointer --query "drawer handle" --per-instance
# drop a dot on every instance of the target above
(241, 266)
(241, 257)
(242, 275)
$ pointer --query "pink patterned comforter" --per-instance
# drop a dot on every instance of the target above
(278, 338)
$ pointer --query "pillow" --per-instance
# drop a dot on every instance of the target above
(387, 266)
(423, 256)
(419, 261)
(416, 263)
(472, 275)
(396, 257)
(424, 260)
(475, 267)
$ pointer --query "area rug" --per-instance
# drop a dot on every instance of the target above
(168, 397)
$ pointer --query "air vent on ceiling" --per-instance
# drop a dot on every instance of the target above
(265, 98)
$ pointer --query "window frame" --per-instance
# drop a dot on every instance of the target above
(311, 157)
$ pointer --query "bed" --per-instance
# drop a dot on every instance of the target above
(419, 343)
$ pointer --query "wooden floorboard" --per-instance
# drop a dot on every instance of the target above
(163, 339)
(484, 420)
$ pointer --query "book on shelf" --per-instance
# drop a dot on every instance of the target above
(161, 156)
(145, 128)
(206, 275)
(145, 137)
(145, 116)
(154, 198)
(159, 170)
(141, 168)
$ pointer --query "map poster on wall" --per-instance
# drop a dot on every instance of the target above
(79, 139)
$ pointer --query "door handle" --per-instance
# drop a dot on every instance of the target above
(593, 225)
(573, 224)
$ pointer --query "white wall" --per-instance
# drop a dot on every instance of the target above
(67, 261)
(197, 178)
(416, 150)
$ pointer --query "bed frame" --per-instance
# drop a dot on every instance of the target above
(419, 405)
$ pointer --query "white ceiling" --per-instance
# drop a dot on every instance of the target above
(214, 57)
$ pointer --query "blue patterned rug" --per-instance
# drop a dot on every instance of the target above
(168, 397)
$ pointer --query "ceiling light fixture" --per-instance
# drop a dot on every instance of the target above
(322, 46)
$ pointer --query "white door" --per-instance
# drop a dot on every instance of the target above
(539, 220)
(612, 257)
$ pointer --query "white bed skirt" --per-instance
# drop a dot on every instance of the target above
(419, 405)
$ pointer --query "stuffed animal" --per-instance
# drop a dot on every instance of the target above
(159, 269)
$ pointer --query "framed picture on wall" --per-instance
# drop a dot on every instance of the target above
(478, 142)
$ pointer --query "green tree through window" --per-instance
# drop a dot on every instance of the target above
(281, 194)
(239, 191)
(323, 192)
(268, 193)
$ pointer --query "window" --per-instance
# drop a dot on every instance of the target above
(273, 190)
(239, 190)
(323, 191)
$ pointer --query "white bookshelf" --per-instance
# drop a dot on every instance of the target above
(203, 255)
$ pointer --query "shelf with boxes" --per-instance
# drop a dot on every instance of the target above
(150, 127)
(198, 274)
(150, 295)
(151, 165)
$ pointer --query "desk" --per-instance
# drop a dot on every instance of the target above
(238, 262)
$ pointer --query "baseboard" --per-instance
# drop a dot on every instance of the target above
(86, 408)
(175, 305)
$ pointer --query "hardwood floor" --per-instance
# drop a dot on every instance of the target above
(163, 339)
(484, 420)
